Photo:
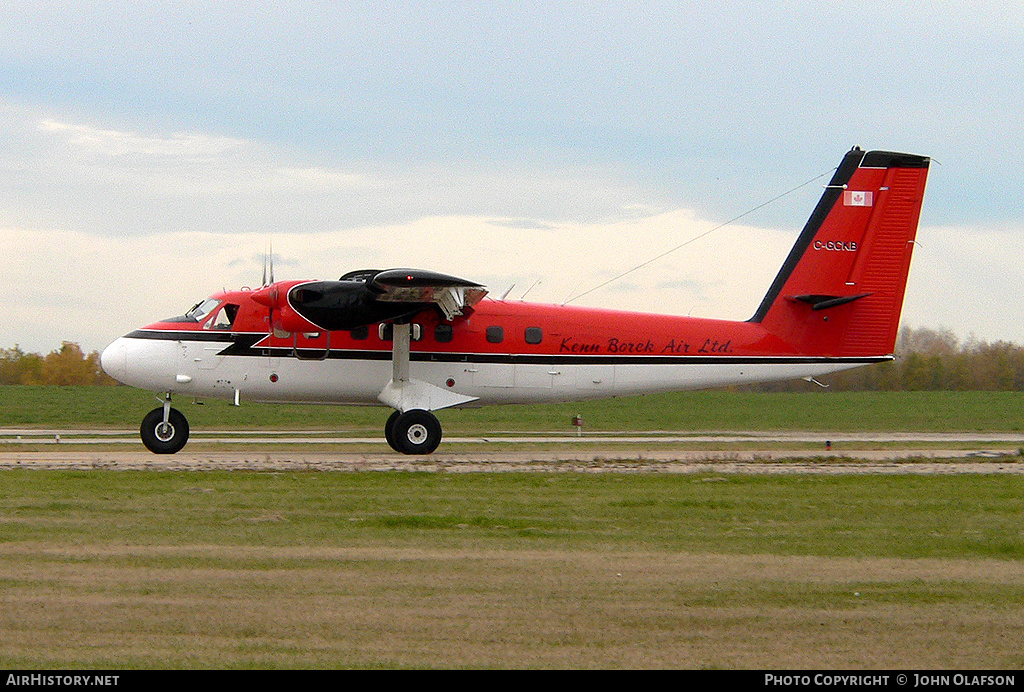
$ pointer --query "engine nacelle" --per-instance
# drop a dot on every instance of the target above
(284, 318)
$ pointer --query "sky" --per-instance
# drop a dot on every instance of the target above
(151, 153)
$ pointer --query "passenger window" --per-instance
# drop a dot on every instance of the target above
(386, 331)
(495, 335)
(534, 335)
(443, 333)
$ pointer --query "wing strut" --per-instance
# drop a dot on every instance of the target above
(400, 353)
(403, 393)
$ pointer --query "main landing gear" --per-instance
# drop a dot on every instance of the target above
(164, 430)
(413, 432)
(412, 429)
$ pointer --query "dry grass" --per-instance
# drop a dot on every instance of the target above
(222, 606)
(327, 569)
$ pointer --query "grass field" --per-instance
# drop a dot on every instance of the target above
(260, 570)
(153, 569)
(815, 410)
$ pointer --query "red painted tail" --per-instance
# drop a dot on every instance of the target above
(841, 289)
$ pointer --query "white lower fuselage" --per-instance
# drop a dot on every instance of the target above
(197, 368)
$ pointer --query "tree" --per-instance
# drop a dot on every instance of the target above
(931, 359)
(67, 365)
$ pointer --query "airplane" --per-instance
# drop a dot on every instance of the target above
(419, 341)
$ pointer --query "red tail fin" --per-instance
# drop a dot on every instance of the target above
(840, 291)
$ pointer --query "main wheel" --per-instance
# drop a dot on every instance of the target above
(389, 431)
(416, 432)
(164, 438)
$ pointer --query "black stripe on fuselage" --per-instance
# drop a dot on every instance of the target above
(174, 335)
(243, 344)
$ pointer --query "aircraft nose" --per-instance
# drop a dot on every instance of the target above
(114, 360)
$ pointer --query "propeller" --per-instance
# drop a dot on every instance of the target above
(268, 263)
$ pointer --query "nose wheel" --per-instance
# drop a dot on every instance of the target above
(164, 434)
(413, 432)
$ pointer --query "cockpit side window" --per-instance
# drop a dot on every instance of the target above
(224, 318)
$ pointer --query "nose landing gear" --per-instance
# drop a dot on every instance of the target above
(164, 430)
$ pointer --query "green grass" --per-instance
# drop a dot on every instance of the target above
(964, 516)
(123, 407)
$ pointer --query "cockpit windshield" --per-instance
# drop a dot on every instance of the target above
(203, 309)
(200, 310)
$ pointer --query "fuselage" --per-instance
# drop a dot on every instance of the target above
(497, 353)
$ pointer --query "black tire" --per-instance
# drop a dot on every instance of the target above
(164, 439)
(389, 431)
(416, 432)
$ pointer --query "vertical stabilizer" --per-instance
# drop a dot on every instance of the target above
(840, 291)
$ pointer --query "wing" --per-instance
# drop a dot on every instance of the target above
(451, 294)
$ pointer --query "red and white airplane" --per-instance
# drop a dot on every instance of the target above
(418, 341)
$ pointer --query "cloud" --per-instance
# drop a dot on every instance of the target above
(672, 95)
(967, 279)
(69, 285)
(522, 224)
(116, 144)
(67, 174)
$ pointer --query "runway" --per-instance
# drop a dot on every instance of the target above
(862, 453)
(591, 461)
(1010, 441)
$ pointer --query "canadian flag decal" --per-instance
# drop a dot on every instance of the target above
(857, 198)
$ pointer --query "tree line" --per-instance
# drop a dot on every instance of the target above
(68, 365)
(930, 360)
(926, 359)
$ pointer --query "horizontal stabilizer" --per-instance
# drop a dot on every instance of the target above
(825, 302)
